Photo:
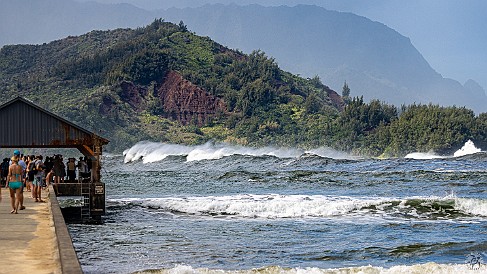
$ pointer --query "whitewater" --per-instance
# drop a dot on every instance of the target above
(218, 208)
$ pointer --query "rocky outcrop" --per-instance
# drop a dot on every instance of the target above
(106, 106)
(185, 102)
(336, 99)
(134, 95)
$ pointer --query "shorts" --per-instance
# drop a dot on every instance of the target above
(15, 185)
(30, 176)
(37, 181)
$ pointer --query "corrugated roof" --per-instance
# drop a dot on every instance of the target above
(24, 124)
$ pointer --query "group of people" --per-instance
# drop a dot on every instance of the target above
(34, 173)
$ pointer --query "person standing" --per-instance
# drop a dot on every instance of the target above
(71, 166)
(39, 166)
(63, 170)
(82, 169)
(5, 165)
(57, 172)
(48, 164)
(14, 183)
(30, 173)
(22, 164)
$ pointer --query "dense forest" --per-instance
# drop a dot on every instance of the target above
(165, 83)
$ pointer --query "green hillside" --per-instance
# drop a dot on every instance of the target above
(111, 81)
(164, 83)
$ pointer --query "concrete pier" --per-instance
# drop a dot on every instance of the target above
(35, 240)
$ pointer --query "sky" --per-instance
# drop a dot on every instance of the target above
(450, 34)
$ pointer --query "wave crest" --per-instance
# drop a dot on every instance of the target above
(399, 269)
(152, 152)
(468, 148)
(317, 206)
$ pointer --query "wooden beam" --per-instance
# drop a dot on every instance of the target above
(87, 151)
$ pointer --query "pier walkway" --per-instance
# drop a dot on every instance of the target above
(36, 239)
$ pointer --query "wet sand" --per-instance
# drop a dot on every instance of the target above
(28, 241)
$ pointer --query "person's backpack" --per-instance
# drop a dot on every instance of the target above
(32, 168)
(39, 166)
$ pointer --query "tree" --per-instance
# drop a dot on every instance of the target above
(182, 26)
(346, 93)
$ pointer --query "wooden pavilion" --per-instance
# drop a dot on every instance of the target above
(26, 125)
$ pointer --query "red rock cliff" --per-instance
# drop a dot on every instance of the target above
(183, 101)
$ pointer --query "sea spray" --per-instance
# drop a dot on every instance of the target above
(210, 151)
(476, 207)
(468, 148)
(423, 156)
(152, 152)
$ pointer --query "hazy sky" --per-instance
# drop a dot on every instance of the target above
(449, 33)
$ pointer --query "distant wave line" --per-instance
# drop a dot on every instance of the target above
(150, 152)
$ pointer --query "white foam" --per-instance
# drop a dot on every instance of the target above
(153, 152)
(263, 206)
(210, 151)
(305, 206)
(468, 148)
(472, 206)
(423, 156)
(399, 269)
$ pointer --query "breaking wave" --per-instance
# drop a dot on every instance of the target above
(467, 149)
(314, 206)
(423, 156)
(399, 269)
(152, 152)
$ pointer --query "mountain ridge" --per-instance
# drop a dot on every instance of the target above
(397, 74)
(336, 46)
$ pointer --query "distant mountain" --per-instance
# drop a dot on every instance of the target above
(374, 60)
(42, 21)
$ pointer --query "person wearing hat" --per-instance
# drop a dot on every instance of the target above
(21, 162)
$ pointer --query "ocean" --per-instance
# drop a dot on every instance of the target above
(218, 208)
